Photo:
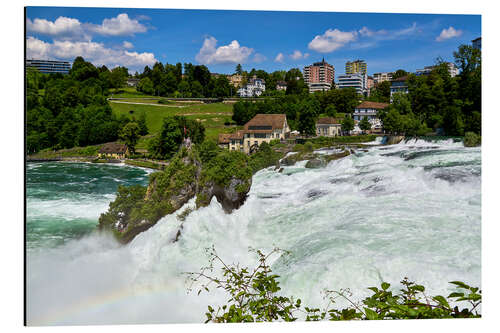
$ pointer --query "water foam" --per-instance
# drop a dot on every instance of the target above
(360, 220)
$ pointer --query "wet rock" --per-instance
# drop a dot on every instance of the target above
(315, 164)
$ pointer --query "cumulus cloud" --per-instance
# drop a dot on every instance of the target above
(127, 45)
(332, 40)
(231, 53)
(279, 58)
(296, 55)
(62, 27)
(448, 33)
(121, 25)
(94, 52)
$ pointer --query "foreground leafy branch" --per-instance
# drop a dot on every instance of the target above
(255, 297)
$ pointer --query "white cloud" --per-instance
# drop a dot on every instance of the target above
(279, 58)
(231, 53)
(127, 45)
(94, 52)
(121, 25)
(259, 57)
(62, 27)
(296, 55)
(448, 33)
(332, 40)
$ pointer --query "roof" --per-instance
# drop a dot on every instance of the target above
(402, 78)
(281, 83)
(328, 121)
(224, 138)
(236, 136)
(372, 105)
(113, 148)
(271, 122)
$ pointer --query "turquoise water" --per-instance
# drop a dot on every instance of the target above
(64, 200)
(408, 210)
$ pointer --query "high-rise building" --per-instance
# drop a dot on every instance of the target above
(356, 66)
(319, 76)
(357, 81)
(49, 66)
(476, 43)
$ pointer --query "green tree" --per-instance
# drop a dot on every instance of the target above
(308, 114)
(347, 124)
(239, 69)
(399, 73)
(145, 85)
(130, 134)
(166, 143)
(141, 122)
(364, 124)
(331, 111)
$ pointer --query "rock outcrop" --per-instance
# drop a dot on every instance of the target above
(137, 209)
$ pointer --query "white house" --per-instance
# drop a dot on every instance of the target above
(254, 88)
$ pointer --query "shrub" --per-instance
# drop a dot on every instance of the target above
(255, 295)
(471, 139)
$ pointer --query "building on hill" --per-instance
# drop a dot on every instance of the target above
(329, 127)
(235, 80)
(357, 81)
(132, 82)
(223, 140)
(319, 76)
(452, 69)
(281, 85)
(49, 66)
(254, 88)
(399, 85)
(261, 128)
(264, 128)
(381, 77)
(113, 150)
(369, 110)
(355, 67)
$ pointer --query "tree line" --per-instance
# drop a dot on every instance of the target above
(64, 111)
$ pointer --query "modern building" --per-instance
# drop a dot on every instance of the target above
(357, 81)
(356, 66)
(399, 85)
(452, 69)
(369, 110)
(254, 88)
(381, 77)
(476, 43)
(329, 127)
(319, 76)
(49, 66)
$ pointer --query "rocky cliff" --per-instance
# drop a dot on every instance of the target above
(226, 176)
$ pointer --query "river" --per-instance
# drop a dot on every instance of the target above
(407, 210)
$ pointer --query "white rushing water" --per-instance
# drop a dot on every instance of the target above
(409, 210)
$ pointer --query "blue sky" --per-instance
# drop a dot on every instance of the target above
(256, 39)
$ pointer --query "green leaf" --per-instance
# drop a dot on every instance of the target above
(385, 285)
(455, 294)
(441, 300)
(460, 284)
(370, 314)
